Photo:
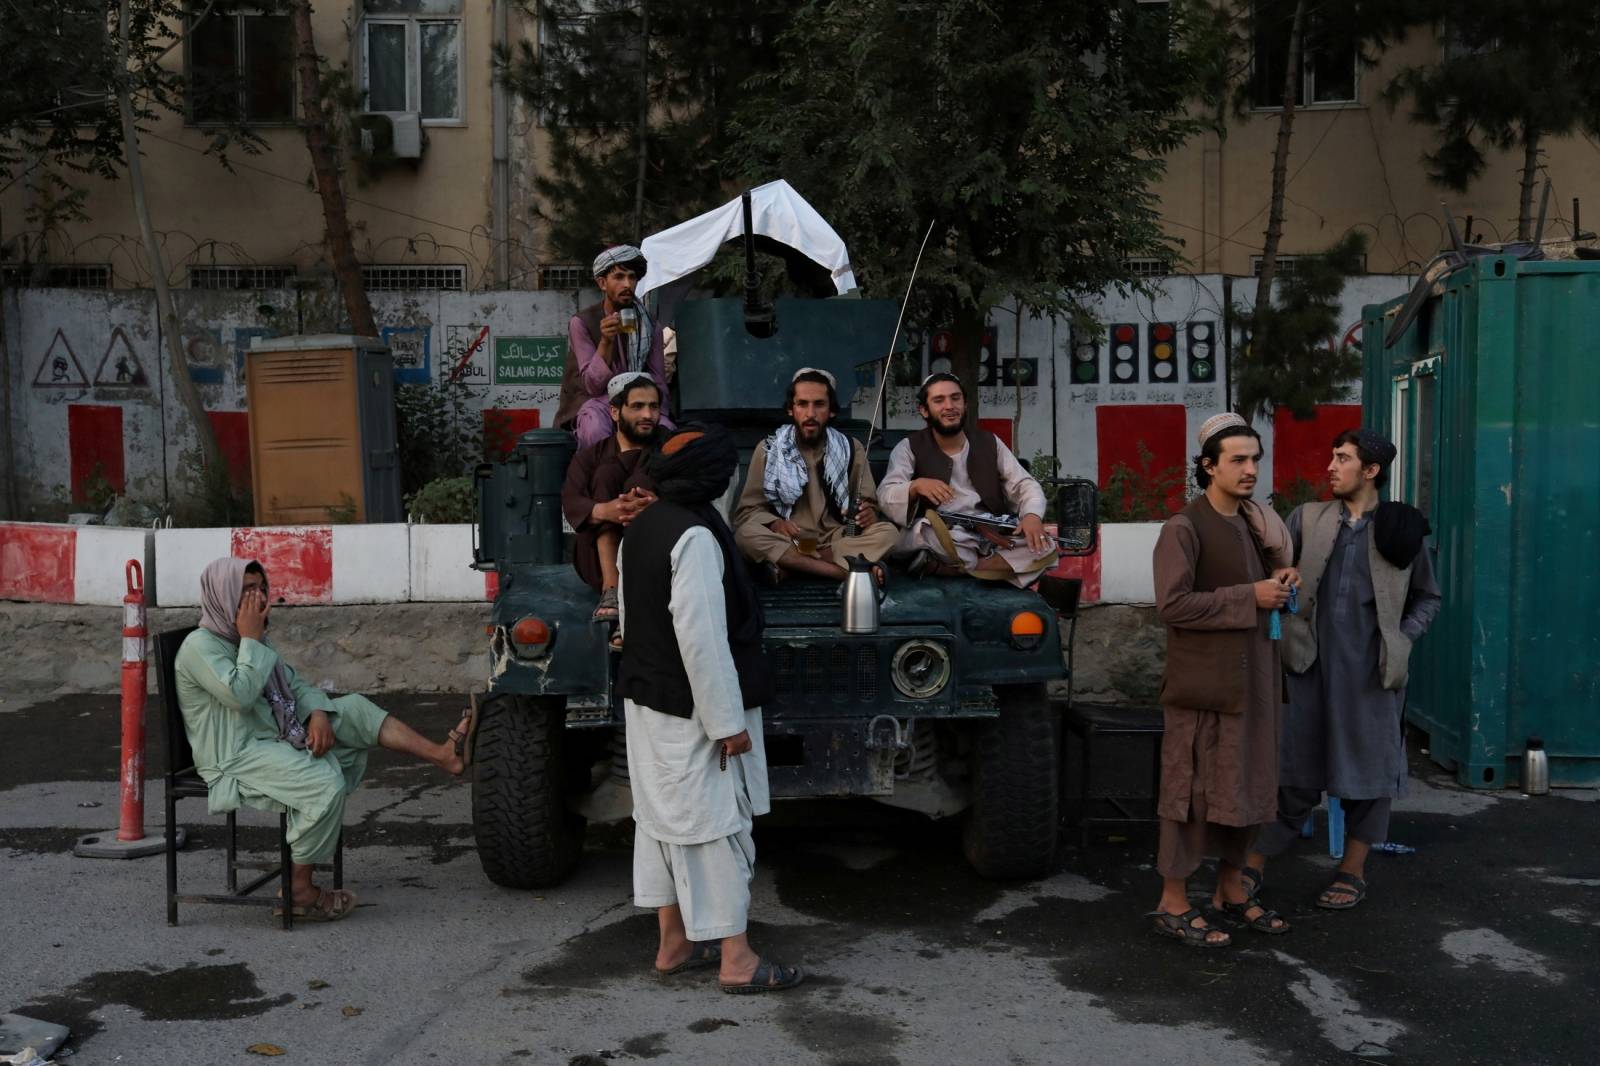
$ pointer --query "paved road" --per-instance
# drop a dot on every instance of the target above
(1482, 947)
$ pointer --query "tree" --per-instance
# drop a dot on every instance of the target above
(636, 101)
(317, 109)
(1509, 76)
(1296, 356)
(1029, 134)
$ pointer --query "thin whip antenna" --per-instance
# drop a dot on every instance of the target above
(883, 378)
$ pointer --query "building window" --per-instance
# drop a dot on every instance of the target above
(1147, 267)
(411, 58)
(1327, 57)
(56, 275)
(240, 277)
(1288, 265)
(380, 278)
(561, 276)
(241, 67)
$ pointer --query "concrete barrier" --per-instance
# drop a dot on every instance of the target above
(440, 566)
(47, 563)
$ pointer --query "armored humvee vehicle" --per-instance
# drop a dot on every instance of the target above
(942, 710)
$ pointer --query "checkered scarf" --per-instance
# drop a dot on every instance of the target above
(787, 474)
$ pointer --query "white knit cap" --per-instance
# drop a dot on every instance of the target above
(1217, 423)
(615, 386)
(814, 370)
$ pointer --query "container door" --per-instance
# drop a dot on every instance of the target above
(1413, 479)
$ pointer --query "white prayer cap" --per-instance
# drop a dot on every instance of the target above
(832, 381)
(1217, 423)
(616, 385)
(619, 255)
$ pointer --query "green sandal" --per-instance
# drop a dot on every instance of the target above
(1182, 927)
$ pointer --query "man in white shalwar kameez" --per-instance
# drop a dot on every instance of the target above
(950, 467)
(693, 676)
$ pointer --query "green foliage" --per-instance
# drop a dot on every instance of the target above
(1300, 490)
(96, 492)
(1509, 74)
(1142, 495)
(440, 433)
(585, 81)
(342, 513)
(208, 496)
(448, 499)
(1030, 134)
(1294, 360)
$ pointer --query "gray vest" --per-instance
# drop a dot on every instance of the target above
(1319, 526)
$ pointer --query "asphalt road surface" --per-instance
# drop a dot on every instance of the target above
(1482, 947)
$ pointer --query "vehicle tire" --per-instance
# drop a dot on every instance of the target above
(526, 836)
(1012, 828)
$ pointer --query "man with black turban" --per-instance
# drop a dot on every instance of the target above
(693, 677)
(1367, 595)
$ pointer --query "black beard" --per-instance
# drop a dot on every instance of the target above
(939, 427)
(634, 434)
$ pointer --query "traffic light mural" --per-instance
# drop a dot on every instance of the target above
(1085, 359)
(1202, 352)
(1163, 349)
(1124, 354)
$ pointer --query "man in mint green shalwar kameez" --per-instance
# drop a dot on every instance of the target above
(263, 738)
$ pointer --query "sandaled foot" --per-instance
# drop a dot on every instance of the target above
(701, 955)
(1345, 892)
(769, 977)
(1254, 915)
(607, 609)
(331, 905)
(1253, 880)
(460, 739)
(1189, 927)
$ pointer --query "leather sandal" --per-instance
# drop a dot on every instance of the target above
(1345, 885)
(332, 904)
(1261, 923)
(701, 955)
(769, 977)
(1182, 927)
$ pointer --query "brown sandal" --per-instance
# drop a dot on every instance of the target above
(332, 904)
(461, 735)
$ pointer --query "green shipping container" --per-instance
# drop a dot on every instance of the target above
(1493, 398)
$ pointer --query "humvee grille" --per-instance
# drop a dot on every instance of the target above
(837, 673)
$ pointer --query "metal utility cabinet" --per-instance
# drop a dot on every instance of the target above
(322, 430)
(1493, 398)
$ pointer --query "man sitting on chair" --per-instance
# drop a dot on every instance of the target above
(796, 503)
(263, 738)
(948, 466)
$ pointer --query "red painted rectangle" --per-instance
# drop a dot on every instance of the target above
(1302, 447)
(233, 437)
(299, 562)
(1000, 427)
(1151, 441)
(37, 563)
(94, 441)
(491, 584)
(1085, 568)
(501, 428)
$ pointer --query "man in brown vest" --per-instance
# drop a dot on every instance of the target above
(950, 466)
(612, 337)
(1368, 594)
(1221, 566)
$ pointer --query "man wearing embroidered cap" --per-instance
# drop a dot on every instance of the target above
(1368, 594)
(797, 503)
(614, 336)
(605, 489)
(1221, 566)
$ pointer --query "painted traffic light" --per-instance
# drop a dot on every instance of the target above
(1085, 359)
(1163, 350)
(1202, 352)
(1124, 354)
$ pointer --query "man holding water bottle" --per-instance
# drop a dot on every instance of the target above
(1368, 593)
(615, 336)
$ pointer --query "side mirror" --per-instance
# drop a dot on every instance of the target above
(1061, 593)
(1076, 507)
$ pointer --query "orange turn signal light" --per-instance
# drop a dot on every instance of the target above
(1027, 624)
(530, 632)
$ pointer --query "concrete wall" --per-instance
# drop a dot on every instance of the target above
(90, 389)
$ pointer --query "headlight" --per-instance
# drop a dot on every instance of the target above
(921, 669)
(1027, 630)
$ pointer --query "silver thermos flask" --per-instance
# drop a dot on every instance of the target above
(1535, 768)
(860, 597)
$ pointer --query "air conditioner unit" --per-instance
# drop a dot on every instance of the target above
(407, 135)
(397, 134)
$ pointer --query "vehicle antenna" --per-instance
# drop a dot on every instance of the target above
(883, 378)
